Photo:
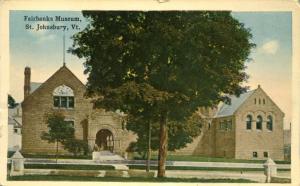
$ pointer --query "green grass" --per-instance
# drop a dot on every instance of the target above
(121, 179)
(116, 173)
(142, 167)
(50, 156)
(280, 180)
(69, 167)
(141, 174)
(208, 159)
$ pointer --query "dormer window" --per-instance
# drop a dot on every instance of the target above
(63, 97)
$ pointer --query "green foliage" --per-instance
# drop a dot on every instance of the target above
(62, 131)
(174, 61)
(11, 102)
(76, 146)
(59, 129)
(179, 134)
(160, 66)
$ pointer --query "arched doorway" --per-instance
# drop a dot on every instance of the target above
(105, 140)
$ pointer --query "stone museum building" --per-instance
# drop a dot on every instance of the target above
(64, 92)
(249, 127)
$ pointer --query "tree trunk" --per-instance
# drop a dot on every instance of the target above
(56, 151)
(163, 147)
(149, 147)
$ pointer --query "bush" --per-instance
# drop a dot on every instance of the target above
(76, 146)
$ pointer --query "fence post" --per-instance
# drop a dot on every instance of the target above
(17, 164)
(270, 169)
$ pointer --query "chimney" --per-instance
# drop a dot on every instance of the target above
(27, 82)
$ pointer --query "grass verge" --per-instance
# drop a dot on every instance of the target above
(121, 179)
(207, 159)
(143, 167)
(280, 180)
(69, 167)
(58, 157)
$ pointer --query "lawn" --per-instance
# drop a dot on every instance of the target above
(69, 167)
(59, 156)
(208, 159)
(122, 179)
(143, 167)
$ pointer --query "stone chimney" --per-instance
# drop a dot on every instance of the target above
(27, 74)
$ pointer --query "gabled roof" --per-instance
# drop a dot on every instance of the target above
(235, 103)
(34, 86)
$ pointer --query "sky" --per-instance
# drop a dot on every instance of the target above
(42, 51)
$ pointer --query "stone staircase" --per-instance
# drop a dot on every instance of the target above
(106, 156)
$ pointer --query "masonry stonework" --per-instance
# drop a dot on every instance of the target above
(224, 132)
(87, 121)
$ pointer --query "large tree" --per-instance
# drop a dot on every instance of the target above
(162, 65)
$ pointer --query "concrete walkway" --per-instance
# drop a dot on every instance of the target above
(120, 167)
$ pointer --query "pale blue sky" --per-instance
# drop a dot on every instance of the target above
(42, 51)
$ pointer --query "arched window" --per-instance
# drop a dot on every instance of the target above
(248, 122)
(270, 123)
(259, 121)
(63, 97)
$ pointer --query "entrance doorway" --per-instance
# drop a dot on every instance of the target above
(105, 140)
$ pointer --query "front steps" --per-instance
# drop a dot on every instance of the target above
(106, 156)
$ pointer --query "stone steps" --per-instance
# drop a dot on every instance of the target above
(106, 156)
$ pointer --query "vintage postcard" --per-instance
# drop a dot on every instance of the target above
(157, 92)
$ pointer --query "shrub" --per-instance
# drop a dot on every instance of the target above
(76, 146)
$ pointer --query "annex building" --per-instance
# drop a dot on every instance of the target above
(249, 127)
